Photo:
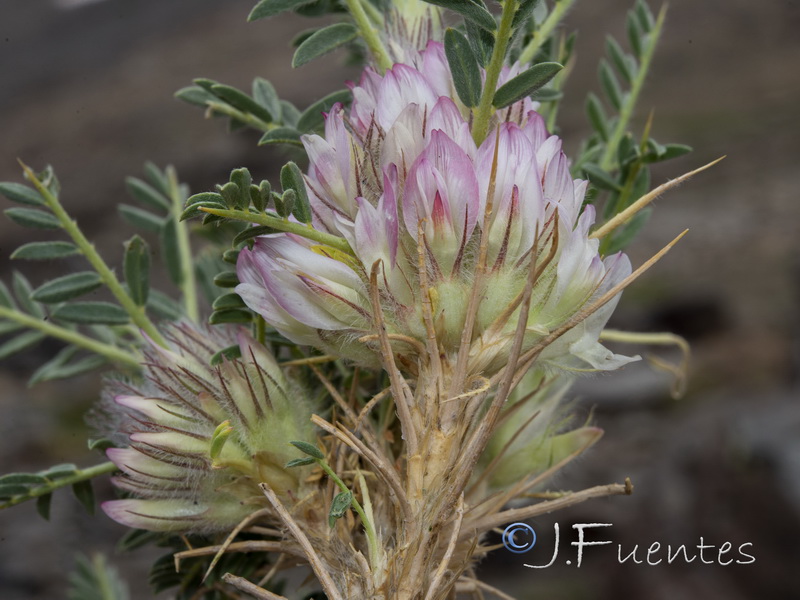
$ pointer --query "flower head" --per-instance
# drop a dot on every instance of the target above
(401, 179)
(199, 439)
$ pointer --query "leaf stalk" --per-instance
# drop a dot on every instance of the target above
(48, 488)
(483, 113)
(188, 284)
(285, 225)
(113, 353)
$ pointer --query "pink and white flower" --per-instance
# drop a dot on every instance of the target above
(399, 175)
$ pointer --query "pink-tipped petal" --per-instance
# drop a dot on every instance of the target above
(401, 86)
(155, 515)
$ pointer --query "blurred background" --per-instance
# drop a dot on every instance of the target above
(87, 85)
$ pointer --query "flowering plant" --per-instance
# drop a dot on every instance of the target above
(383, 385)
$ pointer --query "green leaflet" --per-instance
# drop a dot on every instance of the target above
(67, 287)
(525, 84)
(292, 179)
(17, 192)
(265, 95)
(143, 219)
(472, 11)
(464, 67)
(323, 41)
(611, 86)
(137, 269)
(231, 300)
(146, 194)
(92, 313)
(20, 343)
(270, 8)
(312, 118)
(309, 449)
(170, 250)
(45, 250)
(601, 178)
(597, 117)
(33, 218)
(281, 135)
(341, 502)
(241, 101)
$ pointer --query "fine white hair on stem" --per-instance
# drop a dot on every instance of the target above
(480, 437)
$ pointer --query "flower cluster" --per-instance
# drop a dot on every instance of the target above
(399, 176)
(200, 439)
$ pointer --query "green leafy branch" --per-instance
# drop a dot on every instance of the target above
(70, 286)
(163, 198)
(110, 331)
(16, 488)
(612, 159)
(643, 34)
(342, 501)
(45, 312)
(242, 201)
(32, 315)
(263, 110)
